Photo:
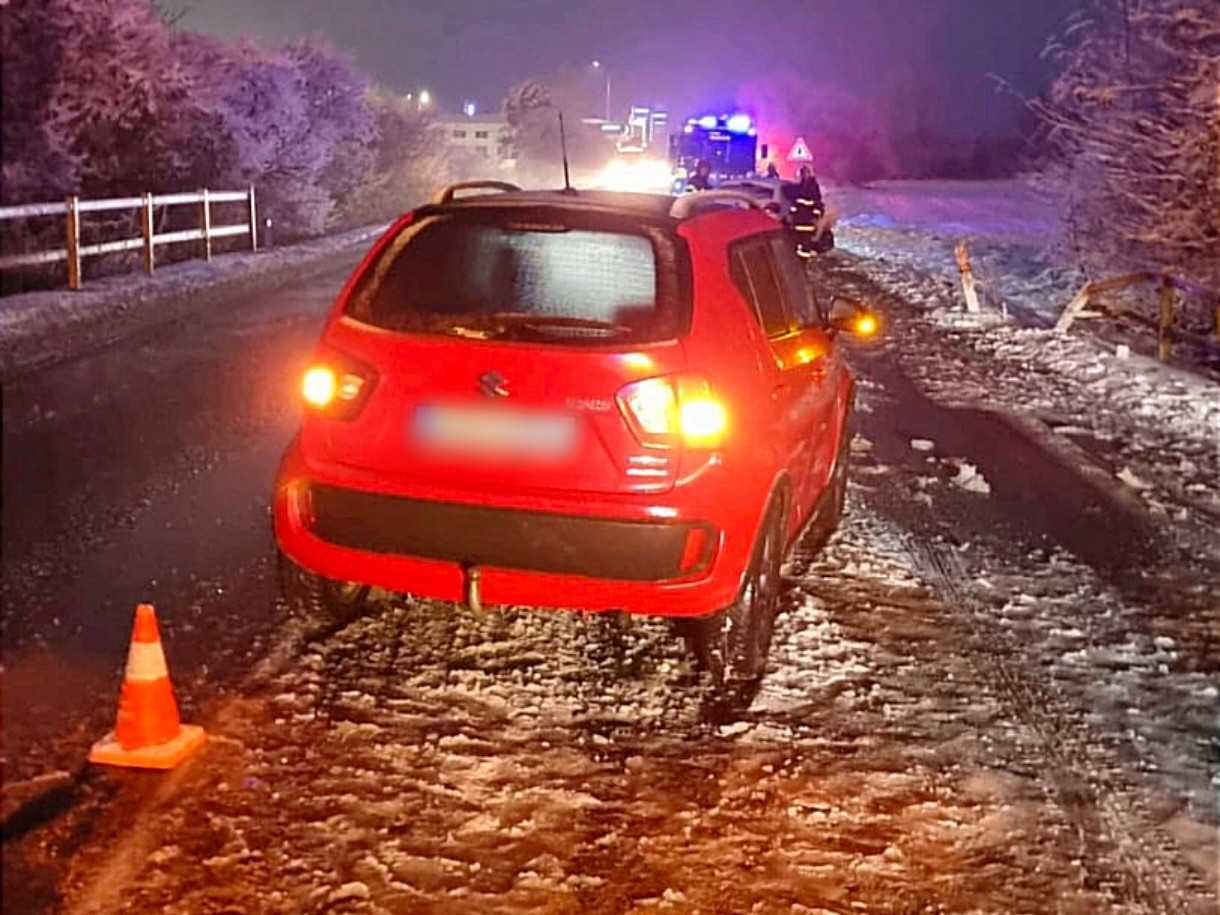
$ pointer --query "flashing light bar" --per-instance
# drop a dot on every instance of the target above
(734, 123)
(738, 123)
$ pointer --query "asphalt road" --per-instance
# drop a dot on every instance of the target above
(142, 473)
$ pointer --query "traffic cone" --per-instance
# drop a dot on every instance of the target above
(147, 734)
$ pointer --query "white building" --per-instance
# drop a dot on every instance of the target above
(484, 135)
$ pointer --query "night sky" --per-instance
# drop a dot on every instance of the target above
(923, 62)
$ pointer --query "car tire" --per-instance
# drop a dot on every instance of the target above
(316, 597)
(732, 644)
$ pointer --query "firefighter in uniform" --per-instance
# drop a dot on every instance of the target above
(701, 180)
(806, 210)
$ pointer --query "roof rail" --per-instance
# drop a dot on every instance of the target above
(686, 206)
(446, 195)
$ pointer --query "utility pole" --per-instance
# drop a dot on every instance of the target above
(597, 65)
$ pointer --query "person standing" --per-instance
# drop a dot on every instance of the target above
(701, 180)
(806, 210)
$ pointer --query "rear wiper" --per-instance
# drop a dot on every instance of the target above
(543, 322)
(489, 325)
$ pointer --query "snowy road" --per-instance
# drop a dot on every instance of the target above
(994, 692)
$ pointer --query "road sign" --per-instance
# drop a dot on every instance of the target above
(800, 151)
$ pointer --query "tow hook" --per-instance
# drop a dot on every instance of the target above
(474, 599)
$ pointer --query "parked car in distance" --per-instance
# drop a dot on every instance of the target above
(806, 218)
(584, 400)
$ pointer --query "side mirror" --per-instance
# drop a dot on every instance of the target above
(853, 317)
(773, 209)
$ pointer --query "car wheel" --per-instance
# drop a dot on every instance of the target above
(311, 595)
(732, 645)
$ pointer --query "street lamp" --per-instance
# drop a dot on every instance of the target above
(425, 98)
(597, 65)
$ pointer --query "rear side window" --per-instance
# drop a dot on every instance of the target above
(755, 276)
(522, 281)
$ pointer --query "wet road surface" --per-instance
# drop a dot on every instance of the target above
(141, 472)
(973, 705)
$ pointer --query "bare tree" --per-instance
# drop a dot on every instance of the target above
(1132, 134)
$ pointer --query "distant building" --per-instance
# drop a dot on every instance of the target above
(484, 135)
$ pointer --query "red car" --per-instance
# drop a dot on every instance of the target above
(580, 400)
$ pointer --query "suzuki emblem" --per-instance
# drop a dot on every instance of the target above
(493, 384)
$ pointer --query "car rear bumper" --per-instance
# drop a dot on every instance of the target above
(477, 535)
(671, 567)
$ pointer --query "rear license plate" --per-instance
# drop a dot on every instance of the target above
(494, 431)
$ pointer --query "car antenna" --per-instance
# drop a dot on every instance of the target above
(563, 147)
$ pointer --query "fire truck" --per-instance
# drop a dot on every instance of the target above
(728, 142)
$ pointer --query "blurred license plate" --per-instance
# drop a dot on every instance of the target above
(480, 430)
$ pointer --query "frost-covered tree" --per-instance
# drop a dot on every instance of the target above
(524, 99)
(410, 160)
(95, 101)
(532, 110)
(295, 122)
(340, 115)
(32, 153)
(106, 98)
(1132, 131)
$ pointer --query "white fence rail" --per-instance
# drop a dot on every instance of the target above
(148, 239)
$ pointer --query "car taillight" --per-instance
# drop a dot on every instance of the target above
(677, 408)
(337, 386)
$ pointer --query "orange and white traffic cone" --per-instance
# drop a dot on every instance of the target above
(147, 734)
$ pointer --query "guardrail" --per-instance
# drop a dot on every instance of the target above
(73, 207)
(1168, 287)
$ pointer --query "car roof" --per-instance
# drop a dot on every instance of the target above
(663, 211)
(651, 206)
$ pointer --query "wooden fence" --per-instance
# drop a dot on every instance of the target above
(1168, 287)
(148, 239)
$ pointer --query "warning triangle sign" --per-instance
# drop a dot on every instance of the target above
(800, 151)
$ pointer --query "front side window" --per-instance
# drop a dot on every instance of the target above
(538, 282)
(801, 302)
(755, 276)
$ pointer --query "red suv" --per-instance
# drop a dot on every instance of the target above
(569, 399)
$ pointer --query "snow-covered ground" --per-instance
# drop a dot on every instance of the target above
(1007, 209)
(1156, 428)
(995, 691)
(428, 759)
(1015, 240)
(1010, 228)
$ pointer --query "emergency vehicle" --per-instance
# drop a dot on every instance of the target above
(729, 143)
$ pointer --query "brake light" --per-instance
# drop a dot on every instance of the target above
(665, 411)
(651, 405)
(703, 422)
(319, 385)
(337, 386)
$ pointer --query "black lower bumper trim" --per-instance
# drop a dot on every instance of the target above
(507, 538)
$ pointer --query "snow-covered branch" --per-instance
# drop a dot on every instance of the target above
(1137, 141)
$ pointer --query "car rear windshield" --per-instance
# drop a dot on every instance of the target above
(562, 280)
